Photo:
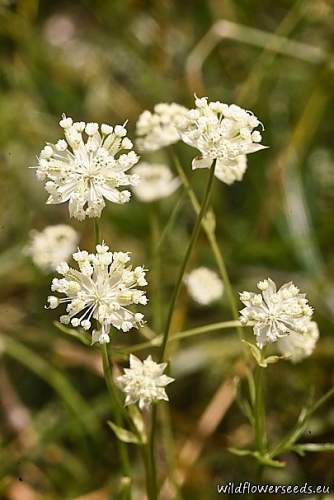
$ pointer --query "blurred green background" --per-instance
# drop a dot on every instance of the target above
(107, 61)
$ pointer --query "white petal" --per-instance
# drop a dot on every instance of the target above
(254, 147)
(200, 162)
(135, 362)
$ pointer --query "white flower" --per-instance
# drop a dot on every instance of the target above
(299, 346)
(144, 382)
(156, 181)
(84, 171)
(160, 128)
(230, 171)
(223, 133)
(102, 289)
(53, 245)
(275, 313)
(204, 285)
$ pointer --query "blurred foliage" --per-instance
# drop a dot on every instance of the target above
(107, 61)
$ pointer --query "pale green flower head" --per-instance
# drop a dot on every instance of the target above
(156, 181)
(159, 128)
(103, 289)
(88, 167)
(222, 133)
(144, 382)
(51, 246)
(275, 313)
(298, 346)
(204, 285)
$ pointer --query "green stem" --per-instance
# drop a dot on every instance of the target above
(155, 274)
(156, 341)
(117, 411)
(186, 258)
(299, 428)
(170, 222)
(97, 231)
(153, 487)
(166, 333)
(210, 233)
(259, 412)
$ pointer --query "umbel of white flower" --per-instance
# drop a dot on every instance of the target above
(102, 289)
(222, 133)
(204, 285)
(298, 346)
(275, 313)
(156, 181)
(51, 246)
(159, 128)
(144, 382)
(85, 171)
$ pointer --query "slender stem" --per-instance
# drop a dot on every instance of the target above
(210, 232)
(148, 474)
(117, 411)
(186, 258)
(153, 487)
(117, 407)
(299, 428)
(259, 412)
(155, 274)
(170, 221)
(156, 341)
(176, 292)
(97, 231)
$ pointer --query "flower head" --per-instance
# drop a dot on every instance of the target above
(275, 313)
(299, 346)
(223, 133)
(53, 245)
(204, 285)
(156, 181)
(229, 171)
(144, 382)
(103, 289)
(85, 171)
(160, 128)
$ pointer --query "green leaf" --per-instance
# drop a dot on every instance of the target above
(263, 459)
(79, 334)
(314, 447)
(251, 387)
(240, 452)
(123, 434)
(266, 460)
(273, 359)
(256, 353)
(258, 356)
(245, 407)
(138, 421)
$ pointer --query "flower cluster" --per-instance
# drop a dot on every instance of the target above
(221, 133)
(204, 285)
(144, 382)
(160, 128)
(53, 245)
(84, 172)
(298, 346)
(275, 313)
(229, 171)
(102, 289)
(156, 181)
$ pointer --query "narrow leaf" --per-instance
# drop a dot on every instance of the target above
(123, 434)
(315, 447)
(138, 420)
